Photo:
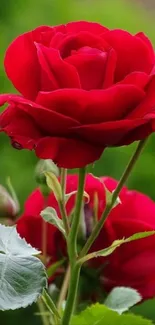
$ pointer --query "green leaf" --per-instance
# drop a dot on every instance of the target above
(101, 315)
(109, 250)
(54, 185)
(22, 275)
(120, 299)
(50, 215)
(53, 268)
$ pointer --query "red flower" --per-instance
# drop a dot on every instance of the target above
(83, 88)
(131, 265)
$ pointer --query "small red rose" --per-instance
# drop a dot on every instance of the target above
(83, 88)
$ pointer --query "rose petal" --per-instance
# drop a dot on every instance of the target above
(110, 69)
(47, 120)
(21, 65)
(108, 133)
(95, 106)
(90, 64)
(139, 79)
(72, 42)
(69, 102)
(148, 104)
(111, 104)
(20, 127)
(56, 73)
(133, 54)
(68, 153)
(77, 26)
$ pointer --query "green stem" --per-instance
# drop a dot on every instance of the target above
(109, 206)
(50, 305)
(72, 251)
(63, 176)
(71, 299)
(64, 288)
(43, 311)
(72, 239)
(64, 216)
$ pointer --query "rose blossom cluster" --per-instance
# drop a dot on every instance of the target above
(83, 88)
(130, 265)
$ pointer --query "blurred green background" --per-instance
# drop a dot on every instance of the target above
(19, 16)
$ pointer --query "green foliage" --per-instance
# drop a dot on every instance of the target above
(50, 215)
(116, 243)
(22, 275)
(100, 314)
(54, 185)
(120, 299)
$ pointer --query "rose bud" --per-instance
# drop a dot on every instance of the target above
(8, 206)
(43, 166)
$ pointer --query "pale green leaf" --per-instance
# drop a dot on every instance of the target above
(50, 215)
(101, 315)
(22, 275)
(54, 185)
(120, 299)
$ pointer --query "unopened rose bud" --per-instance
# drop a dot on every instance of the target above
(43, 166)
(9, 207)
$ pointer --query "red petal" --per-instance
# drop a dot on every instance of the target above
(111, 104)
(108, 133)
(93, 106)
(68, 102)
(48, 121)
(90, 64)
(68, 153)
(94, 28)
(20, 127)
(56, 73)
(139, 79)
(35, 203)
(147, 106)
(133, 54)
(72, 42)
(110, 69)
(21, 65)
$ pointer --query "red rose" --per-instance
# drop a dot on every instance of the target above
(83, 88)
(131, 265)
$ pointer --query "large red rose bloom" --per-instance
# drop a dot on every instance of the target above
(83, 88)
(132, 264)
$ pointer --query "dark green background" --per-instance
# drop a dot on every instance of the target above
(19, 16)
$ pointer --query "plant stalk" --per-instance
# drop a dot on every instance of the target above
(72, 251)
(115, 195)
